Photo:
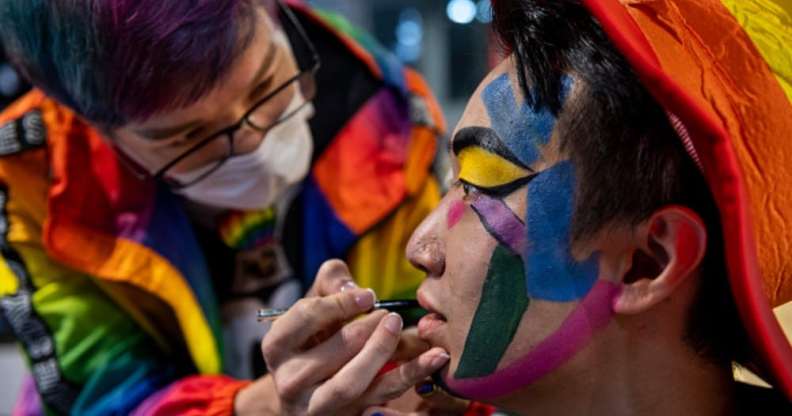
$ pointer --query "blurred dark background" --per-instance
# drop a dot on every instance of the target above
(446, 40)
(11, 84)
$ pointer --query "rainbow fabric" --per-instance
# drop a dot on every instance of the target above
(104, 281)
(245, 230)
(722, 69)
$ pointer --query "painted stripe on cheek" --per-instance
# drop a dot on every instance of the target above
(551, 271)
(501, 222)
(497, 317)
(591, 315)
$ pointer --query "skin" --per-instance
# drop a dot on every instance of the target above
(323, 362)
(319, 346)
(264, 65)
(491, 154)
(587, 341)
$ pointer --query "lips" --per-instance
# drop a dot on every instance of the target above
(429, 324)
(432, 321)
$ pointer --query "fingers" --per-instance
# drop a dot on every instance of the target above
(333, 277)
(310, 317)
(349, 383)
(396, 382)
(410, 345)
(324, 360)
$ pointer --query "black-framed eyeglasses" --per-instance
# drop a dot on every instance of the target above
(225, 139)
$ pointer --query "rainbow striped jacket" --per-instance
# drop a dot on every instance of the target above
(102, 277)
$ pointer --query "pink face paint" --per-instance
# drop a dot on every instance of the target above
(592, 314)
(455, 213)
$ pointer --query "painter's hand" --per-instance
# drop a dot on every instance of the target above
(323, 363)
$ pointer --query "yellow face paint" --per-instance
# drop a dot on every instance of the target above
(481, 168)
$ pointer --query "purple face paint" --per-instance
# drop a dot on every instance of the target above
(591, 314)
(501, 222)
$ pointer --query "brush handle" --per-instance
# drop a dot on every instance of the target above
(396, 305)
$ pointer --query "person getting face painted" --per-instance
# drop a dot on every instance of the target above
(514, 198)
(576, 266)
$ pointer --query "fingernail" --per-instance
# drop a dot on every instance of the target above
(393, 323)
(425, 389)
(349, 285)
(440, 359)
(365, 299)
(377, 414)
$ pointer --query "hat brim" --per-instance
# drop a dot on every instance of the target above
(723, 175)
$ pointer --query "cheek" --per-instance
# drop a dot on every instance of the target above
(145, 153)
(465, 267)
(551, 271)
(538, 322)
(483, 278)
(500, 309)
(466, 271)
(455, 212)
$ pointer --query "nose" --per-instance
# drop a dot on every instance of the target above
(426, 248)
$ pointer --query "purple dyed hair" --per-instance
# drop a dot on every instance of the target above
(114, 61)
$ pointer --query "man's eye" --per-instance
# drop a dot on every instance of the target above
(467, 188)
(500, 191)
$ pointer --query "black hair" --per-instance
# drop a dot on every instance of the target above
(630, 160)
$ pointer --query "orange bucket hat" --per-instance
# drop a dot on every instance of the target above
(722, 69)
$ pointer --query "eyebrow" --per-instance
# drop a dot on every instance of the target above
(161, 133)
(485, 138)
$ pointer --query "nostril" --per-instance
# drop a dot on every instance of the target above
(421, 267)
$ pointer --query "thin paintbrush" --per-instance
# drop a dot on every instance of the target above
(396, 305)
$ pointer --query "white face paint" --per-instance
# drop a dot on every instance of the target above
(257, 179)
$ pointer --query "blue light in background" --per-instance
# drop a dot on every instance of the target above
(409, 35)
(461, 11)
(484, 11)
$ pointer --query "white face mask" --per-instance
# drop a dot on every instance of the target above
(257, 179)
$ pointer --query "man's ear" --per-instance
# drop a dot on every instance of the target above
(669, 248)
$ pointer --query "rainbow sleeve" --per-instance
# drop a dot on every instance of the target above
(94, 359)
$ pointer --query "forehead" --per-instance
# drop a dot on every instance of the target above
(500, 107)
(476, 111)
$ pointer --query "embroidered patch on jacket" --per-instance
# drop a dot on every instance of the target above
(419, 112)
(25, 133)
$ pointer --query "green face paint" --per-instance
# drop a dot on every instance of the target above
(500, 311)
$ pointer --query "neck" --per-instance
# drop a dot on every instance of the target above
(643, 374)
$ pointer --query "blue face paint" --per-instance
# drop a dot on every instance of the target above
(551, 272)
(545, 259)
(520, 127)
